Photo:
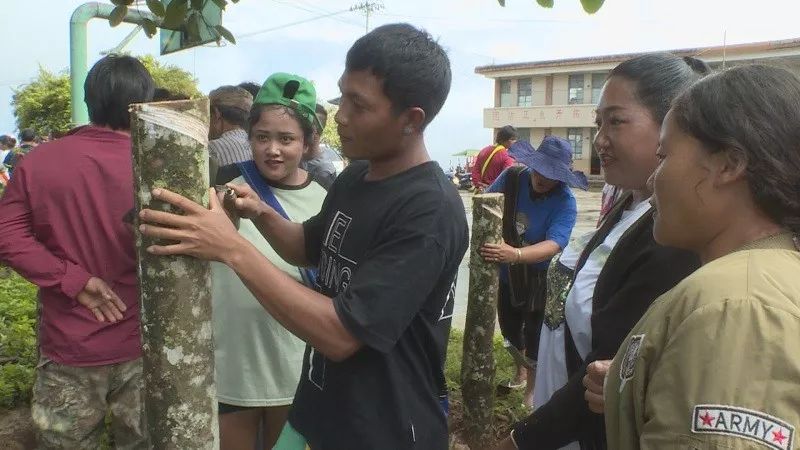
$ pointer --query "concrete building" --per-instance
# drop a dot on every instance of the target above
(558, 97)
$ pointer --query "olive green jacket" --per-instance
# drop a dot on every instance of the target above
(715, 362)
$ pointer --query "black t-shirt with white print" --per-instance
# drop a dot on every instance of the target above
(388, 253)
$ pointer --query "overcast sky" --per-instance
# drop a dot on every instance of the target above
(475, 32)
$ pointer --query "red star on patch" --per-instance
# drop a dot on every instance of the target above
(707, 419)
(777, 436)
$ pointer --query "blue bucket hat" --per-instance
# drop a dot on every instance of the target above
(552, 160)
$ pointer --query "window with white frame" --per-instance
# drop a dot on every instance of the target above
(505, 93)
(524, 92)
(575, 137)
(598, 79)
(575, 93)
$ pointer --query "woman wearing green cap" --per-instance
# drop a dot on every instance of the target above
(258, 361)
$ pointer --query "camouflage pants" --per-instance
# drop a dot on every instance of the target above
(70, 405)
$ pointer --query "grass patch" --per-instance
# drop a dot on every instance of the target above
(508, 409)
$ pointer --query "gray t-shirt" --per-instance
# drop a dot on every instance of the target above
(322, 168)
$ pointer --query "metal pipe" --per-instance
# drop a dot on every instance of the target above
(78, 50)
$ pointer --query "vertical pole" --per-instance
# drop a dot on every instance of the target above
(170, 150)
(78, 61)
(477, 365)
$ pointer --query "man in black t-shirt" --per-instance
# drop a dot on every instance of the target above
(387, 243)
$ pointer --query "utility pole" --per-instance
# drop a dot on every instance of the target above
(368, 7)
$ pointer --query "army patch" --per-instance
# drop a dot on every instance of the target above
(756, 426)
(626, 369)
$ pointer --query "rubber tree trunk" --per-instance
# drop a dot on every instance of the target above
(477, 365)
(170, 150)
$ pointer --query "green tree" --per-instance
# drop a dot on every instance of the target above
(330, 136)
(44, 103)
(171, 78)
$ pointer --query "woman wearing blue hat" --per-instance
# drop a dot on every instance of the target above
(540, 212)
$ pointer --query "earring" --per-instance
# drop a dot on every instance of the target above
(407, 131)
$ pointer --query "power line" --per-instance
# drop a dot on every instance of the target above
(316, 10)
(452, 19)
(291, 24)
(322, 10)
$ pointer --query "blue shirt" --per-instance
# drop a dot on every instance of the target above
(548, 217)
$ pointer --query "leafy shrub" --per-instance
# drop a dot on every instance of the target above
(17, 338)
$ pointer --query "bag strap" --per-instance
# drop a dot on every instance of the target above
(489, 159)
(520, 276)
(511, 192)
(253, 177)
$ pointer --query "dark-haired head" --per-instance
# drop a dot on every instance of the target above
(414, 68)
(659, 78)
(396, 81)
(27, 135)
(250, 87)
(731, 157)
(112, 85)
(7, 142)
(632, 106)
(506, 136)
(230, 107)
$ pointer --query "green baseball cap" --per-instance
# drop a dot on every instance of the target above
(292, 91)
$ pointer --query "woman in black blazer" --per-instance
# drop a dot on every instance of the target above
(633, 269)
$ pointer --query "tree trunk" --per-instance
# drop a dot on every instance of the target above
(170, 150)
(477, 365)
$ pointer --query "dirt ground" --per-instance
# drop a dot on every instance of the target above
(16, 429)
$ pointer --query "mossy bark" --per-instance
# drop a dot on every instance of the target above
(477, 364)
(170, 150)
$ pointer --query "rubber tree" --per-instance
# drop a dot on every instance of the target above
(170, 150)
(477, 364)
